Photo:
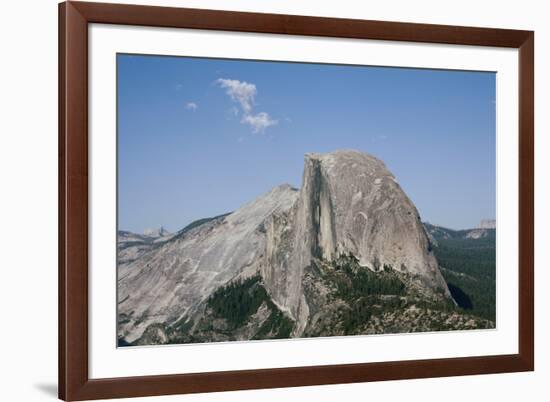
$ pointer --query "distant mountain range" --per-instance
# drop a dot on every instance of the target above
(346, 254)
(436, 233)
(488, 224)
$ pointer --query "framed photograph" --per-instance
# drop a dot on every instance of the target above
(259, 200)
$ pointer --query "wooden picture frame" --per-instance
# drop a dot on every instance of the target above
(74, 381)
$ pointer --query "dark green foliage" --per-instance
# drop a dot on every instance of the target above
(359, 313)
(383, 301)
(122, 343)
(180, 332)
(197, 223)
(353, 281)
(237, 301)
(277, 326)
(182, 326)
(365, 292)
(128, 244)
(470, 270)
(469, 256)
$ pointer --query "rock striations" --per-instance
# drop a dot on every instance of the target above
(173, 278)
(349, 205)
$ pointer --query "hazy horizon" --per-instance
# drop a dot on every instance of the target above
(201, 137)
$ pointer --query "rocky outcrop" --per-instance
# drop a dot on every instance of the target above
(349, 204)
(156, 233)
(436, 233)
(488, 224)
(173, 278)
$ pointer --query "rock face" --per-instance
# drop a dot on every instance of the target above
(438, 232)
(173, 278)
(349, 204)
(131, 245)
(488, 224)
(156, 233)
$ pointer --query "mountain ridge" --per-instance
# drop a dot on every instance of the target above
(312, 251)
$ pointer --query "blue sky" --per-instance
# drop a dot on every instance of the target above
(201, 137)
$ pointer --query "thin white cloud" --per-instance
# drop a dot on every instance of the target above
(379, 138)
(191, 106)
(244, 94)
(259, 122)
(240, 91)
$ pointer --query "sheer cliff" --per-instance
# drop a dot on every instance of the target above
(289, 263)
